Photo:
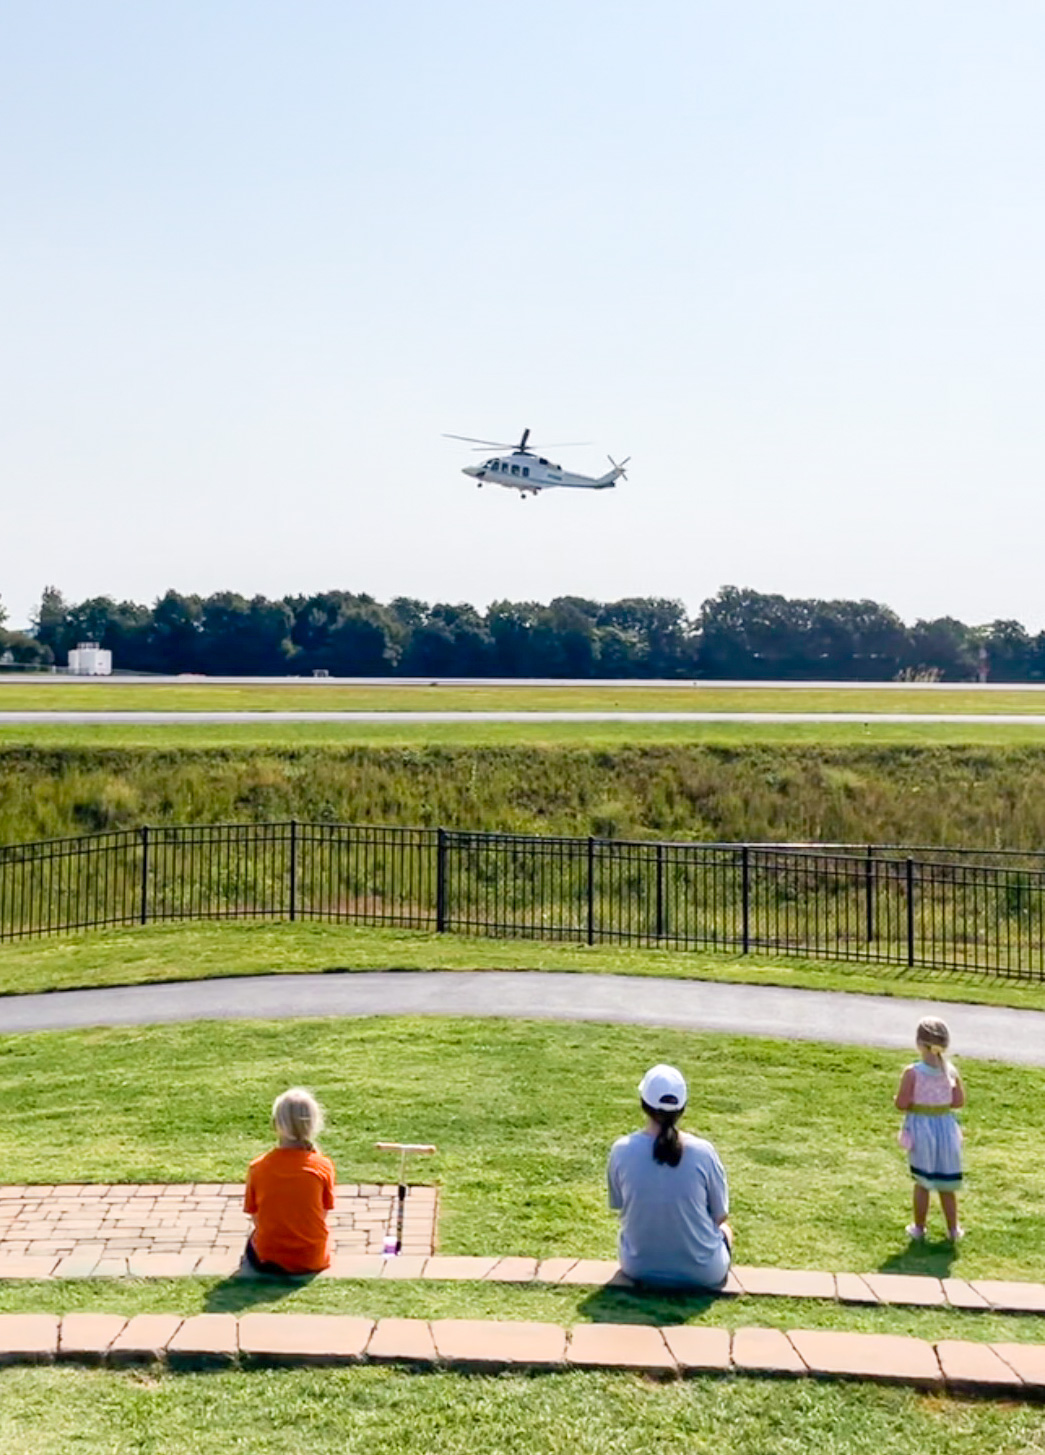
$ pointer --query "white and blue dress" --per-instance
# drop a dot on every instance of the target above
(930, 1133)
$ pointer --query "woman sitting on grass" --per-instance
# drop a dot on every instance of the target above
(289, 1192)
(671, 1192)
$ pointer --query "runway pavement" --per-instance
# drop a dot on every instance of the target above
(978, 1032)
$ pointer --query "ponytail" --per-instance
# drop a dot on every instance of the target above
(667, 1148)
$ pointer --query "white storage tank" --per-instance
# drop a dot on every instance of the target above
(90, 660)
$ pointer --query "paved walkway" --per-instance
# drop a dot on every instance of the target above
(174, 1230)
(978, 1031)
(169, 1230)
(487, 1345)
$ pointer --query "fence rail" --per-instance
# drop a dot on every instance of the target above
(938, 909)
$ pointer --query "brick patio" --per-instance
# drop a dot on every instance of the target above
(98, 1229)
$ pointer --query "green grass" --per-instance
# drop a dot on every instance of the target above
(207, 950)
(523, 1115)
(683, 786)
(55, 695)
(284, 735)
(388, 1412)
(203, 951)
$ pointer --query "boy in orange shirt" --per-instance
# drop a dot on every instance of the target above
(289, 1192)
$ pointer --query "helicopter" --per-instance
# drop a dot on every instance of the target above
(529, 473)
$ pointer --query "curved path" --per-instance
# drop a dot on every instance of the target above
(986, 1032)
(144, 718)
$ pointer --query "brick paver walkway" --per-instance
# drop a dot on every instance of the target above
(178, 1229)
(82, 1229)
(958, 1365)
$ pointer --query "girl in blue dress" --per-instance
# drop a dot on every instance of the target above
(930, 1093)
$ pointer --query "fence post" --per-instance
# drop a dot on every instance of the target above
(591, 890)
(910, 911)
(745, 898)
(869, 888)
(440, 880)
(660, 891)
(145, 874)
(293, 868)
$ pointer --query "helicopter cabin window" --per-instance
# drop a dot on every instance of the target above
(526, 471)
(515, 469)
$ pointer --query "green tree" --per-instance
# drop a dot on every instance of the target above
(244, 638)
(945, 645)
(1011, 652)
(177, 633)
(50, 624)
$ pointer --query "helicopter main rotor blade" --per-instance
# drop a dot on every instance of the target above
(471, 440)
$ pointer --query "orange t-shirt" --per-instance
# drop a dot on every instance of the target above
(289, 1192)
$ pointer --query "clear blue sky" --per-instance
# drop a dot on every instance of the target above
(256, 257)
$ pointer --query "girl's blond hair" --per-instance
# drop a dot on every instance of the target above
(297, 1116)
(933, 1034)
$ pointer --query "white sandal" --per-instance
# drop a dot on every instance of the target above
(914, 1232)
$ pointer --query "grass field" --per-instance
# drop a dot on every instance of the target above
(387, 1412)
(685, 787)
(523, 1114)
(57, 694)
(168, 737)
(202, 950)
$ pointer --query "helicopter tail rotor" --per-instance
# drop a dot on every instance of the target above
(620, 468)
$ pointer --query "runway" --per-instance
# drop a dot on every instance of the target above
(139, 718)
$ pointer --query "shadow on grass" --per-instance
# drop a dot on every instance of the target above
(233, 1295)
(935, 1259)
(645, 1306)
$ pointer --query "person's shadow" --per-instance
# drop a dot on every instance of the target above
(933, 1258)
(246, 1291)
(623, 1304)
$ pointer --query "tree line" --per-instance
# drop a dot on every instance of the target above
(737, 633)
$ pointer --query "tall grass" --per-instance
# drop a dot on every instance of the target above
(945, 794)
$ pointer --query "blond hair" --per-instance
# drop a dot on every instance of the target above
(933, 1034)
(297, 1116)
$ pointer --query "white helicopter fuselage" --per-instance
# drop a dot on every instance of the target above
(529, 474)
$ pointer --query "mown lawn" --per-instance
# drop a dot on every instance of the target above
(523, 1115)
(197, 951)
(56, 695)
(388, 1412)
(284, 736)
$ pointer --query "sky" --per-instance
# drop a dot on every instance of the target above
(256, 258)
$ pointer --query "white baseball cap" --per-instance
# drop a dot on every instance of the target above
(663, 1088)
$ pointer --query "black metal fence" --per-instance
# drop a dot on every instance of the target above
(944, 910)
